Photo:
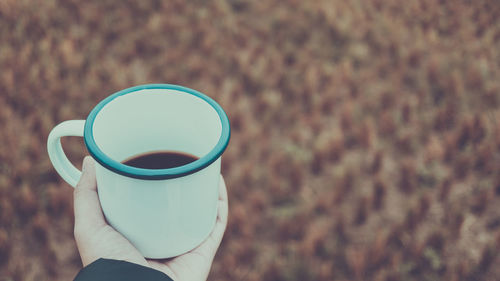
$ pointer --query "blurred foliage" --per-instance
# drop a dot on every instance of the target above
(365, 146)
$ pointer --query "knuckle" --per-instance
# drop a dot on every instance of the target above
(79, 185)
(78, 189)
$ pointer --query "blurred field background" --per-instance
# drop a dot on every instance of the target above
(366, 134)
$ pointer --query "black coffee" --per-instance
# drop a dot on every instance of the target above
(160, 160)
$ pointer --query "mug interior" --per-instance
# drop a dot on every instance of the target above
(157, 119)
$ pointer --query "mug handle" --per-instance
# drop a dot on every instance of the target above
(56, 154)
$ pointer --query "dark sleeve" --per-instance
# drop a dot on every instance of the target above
(111, 270)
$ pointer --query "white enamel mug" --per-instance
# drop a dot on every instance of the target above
(162, 212)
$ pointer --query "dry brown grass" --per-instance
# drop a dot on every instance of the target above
(366, 134)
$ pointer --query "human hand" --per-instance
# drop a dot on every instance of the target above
(96, 239)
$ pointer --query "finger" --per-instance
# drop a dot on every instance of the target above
(222, 189)
(87, 180)
(223, 203)
(88, 214)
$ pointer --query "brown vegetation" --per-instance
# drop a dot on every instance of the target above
(365, 142)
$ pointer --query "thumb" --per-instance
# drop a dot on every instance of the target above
(88, 213)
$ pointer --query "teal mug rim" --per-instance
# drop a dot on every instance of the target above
(156, 174)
